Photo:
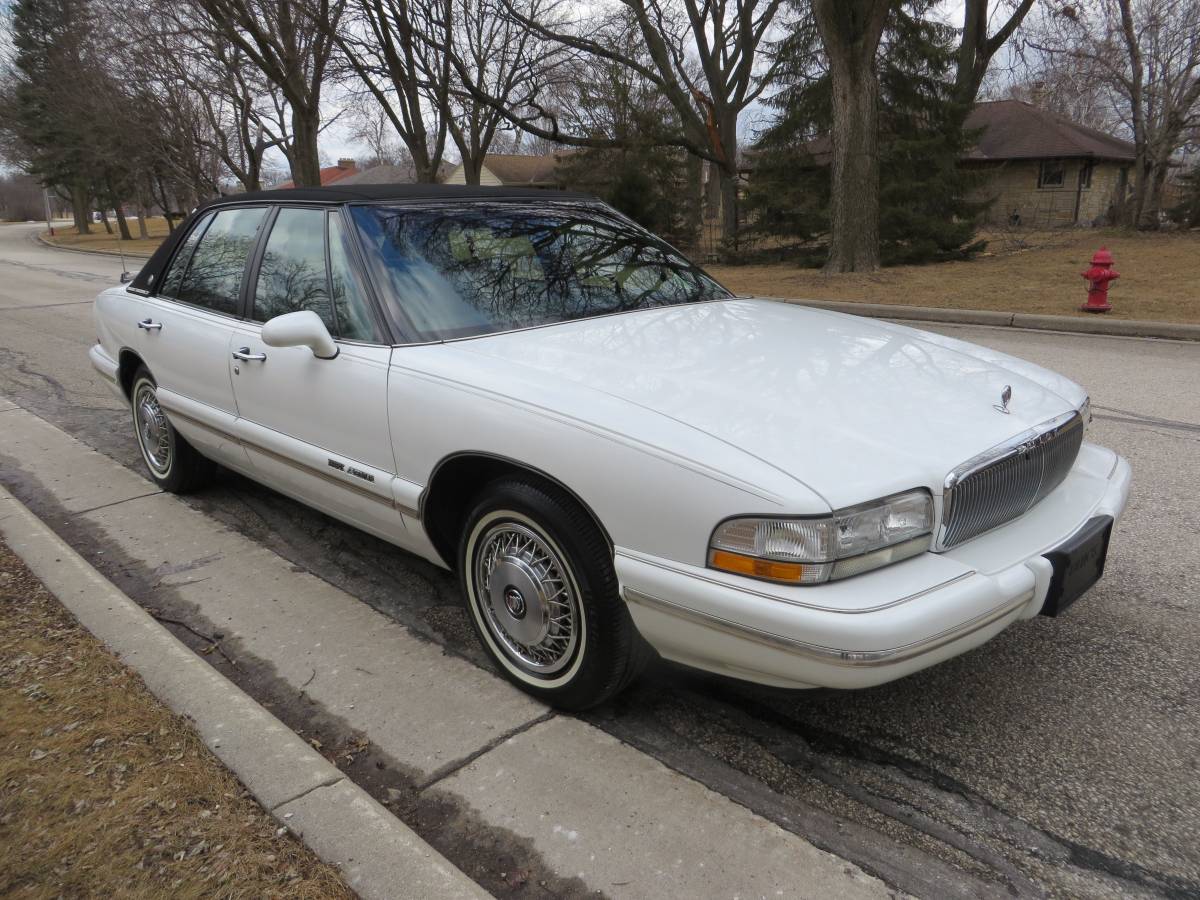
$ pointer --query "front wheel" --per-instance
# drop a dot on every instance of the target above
(174, 464)
(539, 585)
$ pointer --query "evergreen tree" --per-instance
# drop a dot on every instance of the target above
(47, 115)
(925, 210)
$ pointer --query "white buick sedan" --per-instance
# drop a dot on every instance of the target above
(616, 455)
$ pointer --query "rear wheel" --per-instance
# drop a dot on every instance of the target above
(174, 464)
(538, 581)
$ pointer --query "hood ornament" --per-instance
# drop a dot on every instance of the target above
(1005, 396)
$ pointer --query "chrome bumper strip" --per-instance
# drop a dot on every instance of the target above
(831, 655)
(635, 556)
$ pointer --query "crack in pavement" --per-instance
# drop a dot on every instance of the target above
(450, 768)
(329, 782)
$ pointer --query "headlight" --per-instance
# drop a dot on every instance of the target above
(812, 550)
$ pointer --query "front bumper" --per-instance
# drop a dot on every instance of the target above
(875, 627)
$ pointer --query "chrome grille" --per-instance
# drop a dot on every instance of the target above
(1007, 481)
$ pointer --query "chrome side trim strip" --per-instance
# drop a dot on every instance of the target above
(287, 460)
(831, 655)
(658, 564)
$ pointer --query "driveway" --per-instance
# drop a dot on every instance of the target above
(1062, 758)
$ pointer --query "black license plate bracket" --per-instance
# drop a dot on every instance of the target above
(1078, 564)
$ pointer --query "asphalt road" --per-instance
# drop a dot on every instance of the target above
(1063, 758)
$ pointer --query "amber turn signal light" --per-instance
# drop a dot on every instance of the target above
(757, 568)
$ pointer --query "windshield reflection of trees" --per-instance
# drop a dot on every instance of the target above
(513, 268)
(288, 284)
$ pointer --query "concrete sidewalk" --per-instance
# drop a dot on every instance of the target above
(378, 856)
(505, 789)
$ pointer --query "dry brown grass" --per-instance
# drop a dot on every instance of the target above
(1034, 272)
(104, 792)
(99, 239)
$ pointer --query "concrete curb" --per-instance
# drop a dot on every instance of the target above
(377, 854)
(115, 254)
(1071, 324)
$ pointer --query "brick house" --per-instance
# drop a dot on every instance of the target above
(1043, 170)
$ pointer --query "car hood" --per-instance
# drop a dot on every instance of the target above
(853, 408)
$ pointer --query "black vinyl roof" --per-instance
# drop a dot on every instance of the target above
(371, 192)
(148, 277)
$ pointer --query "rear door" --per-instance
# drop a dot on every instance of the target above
(317, 428)
(184, 331)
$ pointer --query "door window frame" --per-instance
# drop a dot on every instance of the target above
(205, 221)
(250, 279)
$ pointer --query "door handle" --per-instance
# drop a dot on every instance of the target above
(150, 325)
(245, 354)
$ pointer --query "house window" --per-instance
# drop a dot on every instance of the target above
(1085, 174)
(1052, 173)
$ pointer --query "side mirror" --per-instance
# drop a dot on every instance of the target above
(126, 277)
(300, 329)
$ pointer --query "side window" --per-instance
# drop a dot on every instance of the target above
(354, 318)
(292, 275)
(214, 276)
(170, 284)
(1051, 173)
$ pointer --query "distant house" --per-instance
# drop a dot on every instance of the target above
(329, 174)
(1038, 168)
(1042, 169)
(381, 174)
(384, 173)
(514, 170)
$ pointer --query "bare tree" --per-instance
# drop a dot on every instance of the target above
(703, 56)
(495, 52)
(385, 44)
(978, 44)
(1146, 54)
(291, 45)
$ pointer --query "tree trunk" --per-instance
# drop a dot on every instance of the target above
(80, 211)
(305, 158)
(104, 219)
(1152, 208)
(472, 168)
(143, 232)
(729, 210)
(850, 32)
(694, 209)
(122, 225)
(854, 202)
(712, 192)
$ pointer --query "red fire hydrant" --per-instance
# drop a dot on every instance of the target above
(1098, 277)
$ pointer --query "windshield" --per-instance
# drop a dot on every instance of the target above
(461, 271)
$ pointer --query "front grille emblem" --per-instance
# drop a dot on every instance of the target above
(1005, 396)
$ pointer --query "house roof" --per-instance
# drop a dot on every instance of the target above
(381, 174)
(329, 174)
(518, 169)
(1013, 129)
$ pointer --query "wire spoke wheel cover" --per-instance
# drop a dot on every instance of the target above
(153, 431)
(526, 597)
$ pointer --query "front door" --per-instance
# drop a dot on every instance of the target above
(317, 428)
